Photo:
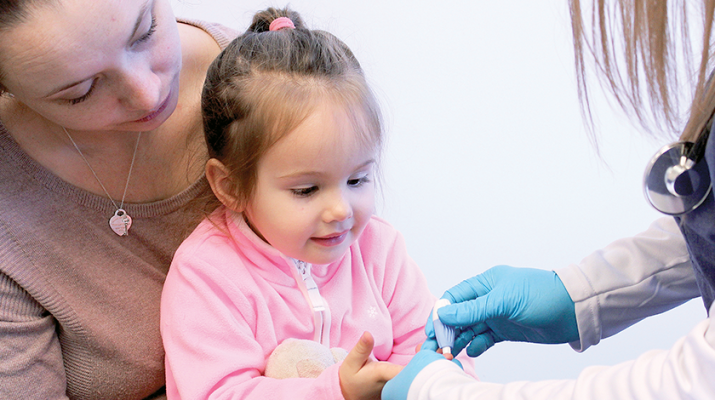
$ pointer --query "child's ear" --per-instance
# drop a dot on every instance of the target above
(219, 178)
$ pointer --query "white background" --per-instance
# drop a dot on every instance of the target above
(488, 161)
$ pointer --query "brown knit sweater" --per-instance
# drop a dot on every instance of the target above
(79, 305)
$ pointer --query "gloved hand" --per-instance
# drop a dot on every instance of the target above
(398, 387)
(507, 303)
(431, 342)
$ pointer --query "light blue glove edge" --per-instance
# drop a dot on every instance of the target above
(399, 387)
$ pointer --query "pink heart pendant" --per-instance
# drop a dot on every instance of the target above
(120, 222)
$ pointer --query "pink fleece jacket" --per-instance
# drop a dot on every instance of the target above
(229, 300)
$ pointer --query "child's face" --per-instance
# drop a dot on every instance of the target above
(315, 188)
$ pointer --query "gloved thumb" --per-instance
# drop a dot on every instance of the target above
(430, 344)
(429, 326)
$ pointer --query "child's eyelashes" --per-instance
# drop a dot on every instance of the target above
(355, 182)
(304, 191)
(308, 191)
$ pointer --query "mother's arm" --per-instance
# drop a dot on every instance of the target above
(31, 365)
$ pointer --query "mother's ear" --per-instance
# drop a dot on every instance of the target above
(219, 178)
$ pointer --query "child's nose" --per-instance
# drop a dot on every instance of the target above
(338, 209)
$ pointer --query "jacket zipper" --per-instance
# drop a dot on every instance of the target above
(321, 312)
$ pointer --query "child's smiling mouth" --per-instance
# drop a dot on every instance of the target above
(332, 239)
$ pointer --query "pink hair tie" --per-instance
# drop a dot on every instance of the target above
(281, 23)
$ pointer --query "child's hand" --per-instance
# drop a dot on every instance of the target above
(362, 378)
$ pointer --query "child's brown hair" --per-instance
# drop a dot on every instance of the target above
(265, 83)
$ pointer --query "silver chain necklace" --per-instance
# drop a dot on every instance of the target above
(120, 222)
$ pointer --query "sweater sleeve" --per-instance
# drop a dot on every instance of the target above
(628, 280)
(209, 329)
(31, 365)
(684, 371)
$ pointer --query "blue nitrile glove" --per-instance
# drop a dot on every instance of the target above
(398, 387)
(507, 303)
(431, 342)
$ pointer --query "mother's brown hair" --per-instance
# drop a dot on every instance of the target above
(13, 12)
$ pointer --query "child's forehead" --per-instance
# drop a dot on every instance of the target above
(331, 137)
(330, 128)
(329, 166)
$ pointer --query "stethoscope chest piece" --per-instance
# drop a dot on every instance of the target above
(675, 184)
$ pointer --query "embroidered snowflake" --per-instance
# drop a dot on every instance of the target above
(372, 312)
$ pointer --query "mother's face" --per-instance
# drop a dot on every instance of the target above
(95, 64)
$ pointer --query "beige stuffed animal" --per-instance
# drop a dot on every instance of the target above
(300, 358)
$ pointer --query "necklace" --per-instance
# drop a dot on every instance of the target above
(120, 222)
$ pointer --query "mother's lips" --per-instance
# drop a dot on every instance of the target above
(156, 112)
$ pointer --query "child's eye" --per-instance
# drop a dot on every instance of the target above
(149, 33)
(305, 192)
(358, 181)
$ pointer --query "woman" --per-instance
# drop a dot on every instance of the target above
(639, 48)
(101, 146)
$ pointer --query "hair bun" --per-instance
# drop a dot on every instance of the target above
(274, 19)
(281, 23)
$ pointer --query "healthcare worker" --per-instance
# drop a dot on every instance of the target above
(636, 46)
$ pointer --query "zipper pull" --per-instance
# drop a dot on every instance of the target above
(315, 299)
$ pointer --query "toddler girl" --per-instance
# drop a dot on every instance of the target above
(293, 249)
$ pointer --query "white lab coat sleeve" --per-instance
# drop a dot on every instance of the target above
(685, 371)
(629, 280)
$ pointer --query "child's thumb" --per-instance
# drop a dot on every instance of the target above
(360, 354)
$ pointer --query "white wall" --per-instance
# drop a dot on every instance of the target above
(488, 161)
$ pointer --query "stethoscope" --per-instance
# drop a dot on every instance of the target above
(677, 178)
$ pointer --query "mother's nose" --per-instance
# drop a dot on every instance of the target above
(141, 90)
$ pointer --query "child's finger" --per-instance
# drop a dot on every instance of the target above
(386, 370)
(360, 354)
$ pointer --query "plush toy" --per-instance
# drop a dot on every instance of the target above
(299, 358)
